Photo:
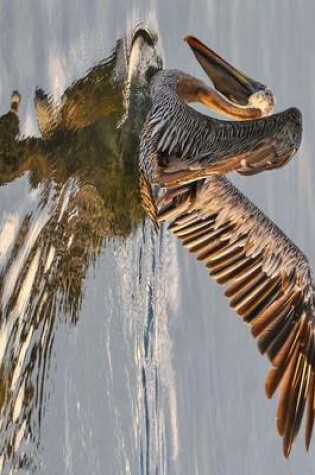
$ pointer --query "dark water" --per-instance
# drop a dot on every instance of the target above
(117, 353)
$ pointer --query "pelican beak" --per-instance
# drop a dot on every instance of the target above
(232, 83)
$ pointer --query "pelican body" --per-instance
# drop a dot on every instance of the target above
(181, 144)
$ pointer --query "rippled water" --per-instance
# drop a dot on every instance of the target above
(118, 354)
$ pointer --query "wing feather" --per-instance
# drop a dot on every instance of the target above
(267, 281)
(180, 145)
(147, 199)
(310, 410)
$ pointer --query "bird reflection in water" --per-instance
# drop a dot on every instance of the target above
(83, 171)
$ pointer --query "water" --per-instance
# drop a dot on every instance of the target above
(140, 367)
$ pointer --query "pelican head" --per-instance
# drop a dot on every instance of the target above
(236, 94)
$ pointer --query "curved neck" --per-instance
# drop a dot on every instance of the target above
(192, 90)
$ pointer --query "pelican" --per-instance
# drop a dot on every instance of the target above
(267, 278)
(180, 144)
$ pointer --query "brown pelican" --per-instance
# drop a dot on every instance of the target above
(180, 144)
(267, 277)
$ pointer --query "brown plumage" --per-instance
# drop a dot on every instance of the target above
(268, 283)
(147, 199)
(179, 145)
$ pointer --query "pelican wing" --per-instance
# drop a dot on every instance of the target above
(194, 148)
(267, 281)
(147, 199)
(269, 154)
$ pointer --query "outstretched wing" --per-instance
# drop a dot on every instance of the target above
(191, 146)
(267, 281)
(268, 155)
